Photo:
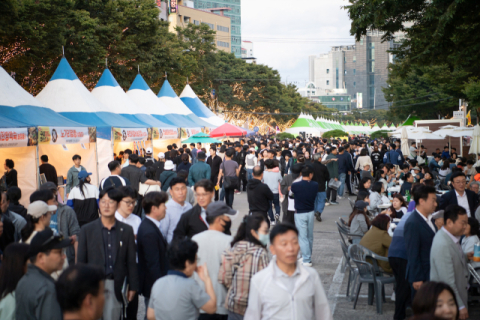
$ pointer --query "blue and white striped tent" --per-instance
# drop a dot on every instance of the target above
(18, 108)
(67, 95)
(110, 94)
(178, 110)
(191, 100)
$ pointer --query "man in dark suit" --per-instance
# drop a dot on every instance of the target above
(152, 246)
(419, 234)
(110, 244)
(460, 195)
(321, 176)
(214, 162)
(345, 168)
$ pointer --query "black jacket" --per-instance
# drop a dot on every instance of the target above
(159, 168)
(50, 172)
(451, 198)
(320, 175)
(215, 167)
(91, 251)
(190, 224)
(152, 255)
(258, 195)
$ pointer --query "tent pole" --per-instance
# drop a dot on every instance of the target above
(38, 166)
(96, 160)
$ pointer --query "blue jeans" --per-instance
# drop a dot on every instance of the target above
(249, 174)
(342, 177)
(276, 203)
(304, 224)
(320, 201)
(222, 193)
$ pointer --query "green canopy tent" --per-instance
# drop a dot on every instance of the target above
(409, 122)
(201, 138)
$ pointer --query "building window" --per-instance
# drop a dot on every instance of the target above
(223, 29)
(223, 44)
(328, 82)
(328, 71)
(371, 81)
(361, 42)
(371, 66)
(354, 84)
(354, 71)
(354, 58)
(196, 22)
(345, 72)
(336, 75)
(212, 26)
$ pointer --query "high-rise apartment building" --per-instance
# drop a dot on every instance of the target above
(235, 15)
(361, 69)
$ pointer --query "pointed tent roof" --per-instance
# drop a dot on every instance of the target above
(67, 95)
(191, 100)
(18, 108)
(409, 122)
(110, 94)
(303, 124)
(178, 110)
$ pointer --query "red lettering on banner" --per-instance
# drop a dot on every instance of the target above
(12, 136)
(136, 133)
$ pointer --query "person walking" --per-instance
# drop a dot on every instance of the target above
(115, 179)
(17, 220)
(194, 153)
(110, 244)
(305, 192)
(272, 179)
(159, 166)
(250, 162)
(12, 270)
(176, 207)
(260, 195)
(286, 289)
(332, 167)
(214, 162)
(83, 199)
(38, 217)
(211, 244)
(48, 170)
(177, 295)
(135, 175)
(72, 174)
(229, 170)
(167, 175)
(345, 168)
(460, 195)
(35, 295)
(200, 170)
(321, 176)
(194, 220)
(149, 159)
(151, 245)
(247, 256)
(448, 263)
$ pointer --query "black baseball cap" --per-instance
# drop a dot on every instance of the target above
(46, 240)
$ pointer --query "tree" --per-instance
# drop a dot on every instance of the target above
(334, 134)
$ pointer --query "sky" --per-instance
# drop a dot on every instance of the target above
(304, 27)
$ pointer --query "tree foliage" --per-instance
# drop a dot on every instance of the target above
(379, 134)
(334, 134)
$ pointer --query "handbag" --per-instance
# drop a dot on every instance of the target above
(230, 182)
(332, 184)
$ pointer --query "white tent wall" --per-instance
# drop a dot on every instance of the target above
(62, 159)
(105, 155)
(25, 162)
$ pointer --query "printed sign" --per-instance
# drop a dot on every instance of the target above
(130, 134)
(18, 137)
(65, 135)
(168, 133)
(173, 6)
(188, 132)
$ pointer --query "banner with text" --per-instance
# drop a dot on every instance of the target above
(130, 134)
(188, 132)
(18, 137)
(65, 135)
(165, 133)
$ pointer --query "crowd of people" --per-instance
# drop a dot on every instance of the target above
(160, 228)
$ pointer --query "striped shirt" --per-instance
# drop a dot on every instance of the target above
(239, 265)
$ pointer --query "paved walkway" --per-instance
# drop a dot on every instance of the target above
(326, 259)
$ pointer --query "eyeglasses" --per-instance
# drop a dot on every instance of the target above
(130, 203)
(108, 202)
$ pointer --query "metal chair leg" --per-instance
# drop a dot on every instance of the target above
(379, 299)
(356, 295)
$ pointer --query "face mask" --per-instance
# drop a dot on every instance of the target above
(263, 238)
(227, 226)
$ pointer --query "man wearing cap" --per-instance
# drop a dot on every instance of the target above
(167, 175)
(135, 175)
(149, 159)
(159, 165)
(114, 179)
(199, 170)
(35, 294)
(64, 222)
(211, 244)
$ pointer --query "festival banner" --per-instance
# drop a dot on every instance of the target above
(66, 135)
(130, 134)
(167, 133)
(18, 137)
(188, 132)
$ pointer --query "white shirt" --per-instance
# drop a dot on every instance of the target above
(132, 220)
(427, 220)
(203, 214)
(174, 213)
(463, 202)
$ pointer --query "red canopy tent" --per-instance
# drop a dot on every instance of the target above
(228, 130)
